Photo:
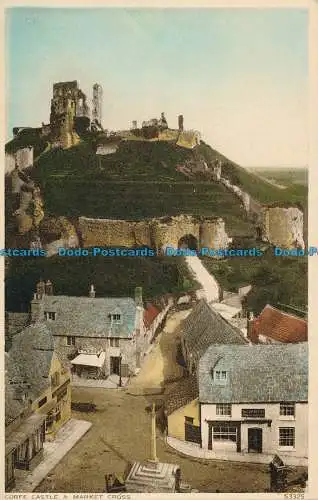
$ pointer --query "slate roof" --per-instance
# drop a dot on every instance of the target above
(280, 326)
(88, 317)
(255, 373)
(204, 326)
(181, 393)
(29, 359)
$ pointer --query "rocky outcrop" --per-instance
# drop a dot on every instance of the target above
(283, 226)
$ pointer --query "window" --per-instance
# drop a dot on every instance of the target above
(42, 402)
(70, 340)
(55, 379)
(224, 409)
(287, 436)
(287, 409)
(114, 342)
(220, 375)
(224, 433)
(49, 315)
(116, 318)
(188, 420)
(253, 412)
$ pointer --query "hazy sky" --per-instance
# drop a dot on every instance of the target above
(239, 76)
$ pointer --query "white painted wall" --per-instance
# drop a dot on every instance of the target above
(270, 434)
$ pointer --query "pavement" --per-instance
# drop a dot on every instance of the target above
(201, 274)
(194, 450)
(54, 451)
(112, 382)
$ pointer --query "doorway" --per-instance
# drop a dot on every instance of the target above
(255, 440)
(115, 365)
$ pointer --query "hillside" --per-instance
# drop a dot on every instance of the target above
(114, 277)
(140, 180)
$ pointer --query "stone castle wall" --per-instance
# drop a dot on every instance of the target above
(283, 226)
(157, 232)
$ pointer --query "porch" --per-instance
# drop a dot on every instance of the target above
(89, 365)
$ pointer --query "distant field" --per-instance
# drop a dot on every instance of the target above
(284, 176)
(251, 180)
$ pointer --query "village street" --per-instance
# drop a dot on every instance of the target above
(209, 284)
(121, 433)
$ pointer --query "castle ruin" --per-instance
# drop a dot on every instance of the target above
(159, 233)
(69, 111)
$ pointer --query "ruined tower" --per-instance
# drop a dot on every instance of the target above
(67, 105)
(97, 104)
(180, 123)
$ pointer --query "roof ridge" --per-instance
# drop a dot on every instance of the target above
(283, 313)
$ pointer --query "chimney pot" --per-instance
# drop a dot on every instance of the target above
(48, 288)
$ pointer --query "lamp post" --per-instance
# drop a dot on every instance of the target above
(120, 358)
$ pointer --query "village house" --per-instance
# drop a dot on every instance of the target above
(253, 400)
(24, 430)
(38, 398)
(154, 316)
(273, 325)
(97, 337)
(203, 327)
(246, 403)
(36, 367)
(181, 410)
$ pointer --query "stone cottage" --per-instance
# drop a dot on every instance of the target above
(245, 403)
(95, 336)
(36, 371)
(37, 397)
(254, 401)
(24, 430)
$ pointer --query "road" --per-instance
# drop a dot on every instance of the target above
(209, 284)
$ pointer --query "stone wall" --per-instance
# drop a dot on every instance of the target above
(157, 232)
(283, 226)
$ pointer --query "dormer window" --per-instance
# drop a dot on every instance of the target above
(115, 318)
(50, 315)
(220, 376)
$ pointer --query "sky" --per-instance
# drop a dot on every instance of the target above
(239, 76)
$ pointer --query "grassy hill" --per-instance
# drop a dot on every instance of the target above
(139, 181)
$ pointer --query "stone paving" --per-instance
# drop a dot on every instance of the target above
(54, 451)
(112, 382)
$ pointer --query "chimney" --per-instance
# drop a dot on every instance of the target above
(92, 292)
(40, 289)
(37, 307)
(138, 297)
(48, 288)
(180, 123)
(252, 330)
